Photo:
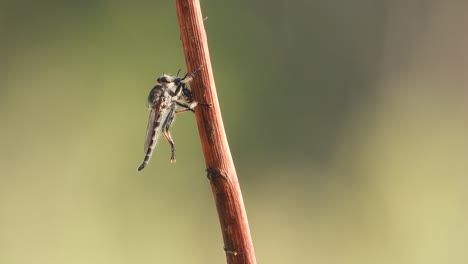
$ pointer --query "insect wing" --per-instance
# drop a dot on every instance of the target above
(150, 130)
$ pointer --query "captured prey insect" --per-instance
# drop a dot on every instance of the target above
(164, 102)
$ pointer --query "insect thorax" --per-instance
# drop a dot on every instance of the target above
(159, 93)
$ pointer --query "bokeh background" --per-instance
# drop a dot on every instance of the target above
(346, 121)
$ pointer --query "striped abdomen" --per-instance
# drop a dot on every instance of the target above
(157, 102)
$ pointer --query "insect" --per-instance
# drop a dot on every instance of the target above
(164, 102)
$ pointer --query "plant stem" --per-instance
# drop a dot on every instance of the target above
(222, 175)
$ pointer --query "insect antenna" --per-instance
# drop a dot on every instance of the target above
(191, 75)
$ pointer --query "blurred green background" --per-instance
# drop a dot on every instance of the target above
(347, 121)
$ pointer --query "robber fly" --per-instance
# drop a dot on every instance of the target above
(164, 102)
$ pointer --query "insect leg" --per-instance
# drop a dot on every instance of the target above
(189, 76)
(186, 107)
(188, 97)
(187, 94)
(165, 130)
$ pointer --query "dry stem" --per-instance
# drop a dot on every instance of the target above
(220, 167)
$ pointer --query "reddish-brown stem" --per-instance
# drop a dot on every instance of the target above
(220, 167)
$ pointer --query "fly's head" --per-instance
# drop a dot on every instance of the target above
(168, 79)
(165, 79)
(169, 82)
(177, 86)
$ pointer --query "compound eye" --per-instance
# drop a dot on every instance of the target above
(163, 79)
